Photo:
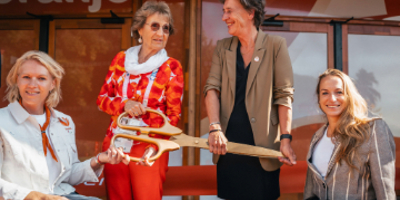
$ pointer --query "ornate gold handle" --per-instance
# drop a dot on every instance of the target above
(163, 145)
(167, 129)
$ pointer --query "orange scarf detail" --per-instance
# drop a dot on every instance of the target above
(45, 139)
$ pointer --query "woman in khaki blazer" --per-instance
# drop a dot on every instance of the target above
(249, 93)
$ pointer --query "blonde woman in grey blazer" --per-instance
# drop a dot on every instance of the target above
(352, 156)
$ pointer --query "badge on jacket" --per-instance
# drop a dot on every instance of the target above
(64, 121)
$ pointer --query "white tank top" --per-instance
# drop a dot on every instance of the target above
(322, 153)
(53, 166)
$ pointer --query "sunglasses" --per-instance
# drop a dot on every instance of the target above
(155, 26)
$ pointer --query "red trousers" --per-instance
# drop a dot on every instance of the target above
(125, 182)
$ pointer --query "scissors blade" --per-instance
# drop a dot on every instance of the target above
(235, 148)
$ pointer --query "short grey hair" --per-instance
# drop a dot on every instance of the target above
(257, 6)
(149, 8)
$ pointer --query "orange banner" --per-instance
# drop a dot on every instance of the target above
(54, 7)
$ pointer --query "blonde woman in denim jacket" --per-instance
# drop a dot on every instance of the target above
(38, 155)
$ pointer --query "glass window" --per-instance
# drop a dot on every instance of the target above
(374, 66)
(13, 43)
(309, 56)
(85, 55)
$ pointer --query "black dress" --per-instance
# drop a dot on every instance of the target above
(242, 177)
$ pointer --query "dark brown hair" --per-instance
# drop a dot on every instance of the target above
(257, 6)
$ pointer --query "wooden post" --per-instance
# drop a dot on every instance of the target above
(199, 90)
(192, 68)
(345, 48)
(52, 38)
(192, 77)
(136, 4)
(331, 55)
(126, 39)
(36, 29)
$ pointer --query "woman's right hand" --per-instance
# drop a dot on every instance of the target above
(217, 141)
(134, 108)
(150, 151)
(34, 195)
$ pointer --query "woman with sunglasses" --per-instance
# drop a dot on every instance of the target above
(139, 78)
(353, 155)
(38, 155)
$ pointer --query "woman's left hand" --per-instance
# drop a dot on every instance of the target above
(288, 152)
(134, 108)
(145, 158)
(114, 156)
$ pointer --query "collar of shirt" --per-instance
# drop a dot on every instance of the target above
(20, 114)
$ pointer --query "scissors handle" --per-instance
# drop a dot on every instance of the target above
(167, 129)
(163, 145)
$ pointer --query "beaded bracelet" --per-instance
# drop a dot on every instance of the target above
(98, 160)
(215, 123)
(215, 130)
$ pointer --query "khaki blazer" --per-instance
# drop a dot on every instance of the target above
(375, 174)
(269, 84)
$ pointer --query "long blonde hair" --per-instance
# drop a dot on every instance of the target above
(352, 127)
(55, 70)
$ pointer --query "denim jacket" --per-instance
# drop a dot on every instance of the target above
(23, 166)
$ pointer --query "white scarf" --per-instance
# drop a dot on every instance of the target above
(132, 65)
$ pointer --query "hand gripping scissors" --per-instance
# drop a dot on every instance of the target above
(178, 139)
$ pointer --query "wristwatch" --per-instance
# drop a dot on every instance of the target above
(283, 136)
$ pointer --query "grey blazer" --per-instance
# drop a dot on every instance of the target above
(376, 175)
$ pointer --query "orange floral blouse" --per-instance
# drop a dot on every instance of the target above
(165, 94)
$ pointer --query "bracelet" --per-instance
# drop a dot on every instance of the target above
(215, 123)
(215, 130)
(283, 136)
(98, 160)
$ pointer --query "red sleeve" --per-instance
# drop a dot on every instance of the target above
(110, 99)
(173, 94)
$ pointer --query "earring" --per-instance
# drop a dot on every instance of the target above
(140, 40)
(131, 34)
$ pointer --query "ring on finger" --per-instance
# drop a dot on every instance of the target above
(136, 113)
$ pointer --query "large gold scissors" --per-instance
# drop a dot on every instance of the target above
(178, 139)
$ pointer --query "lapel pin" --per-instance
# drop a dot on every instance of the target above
(256, 59)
